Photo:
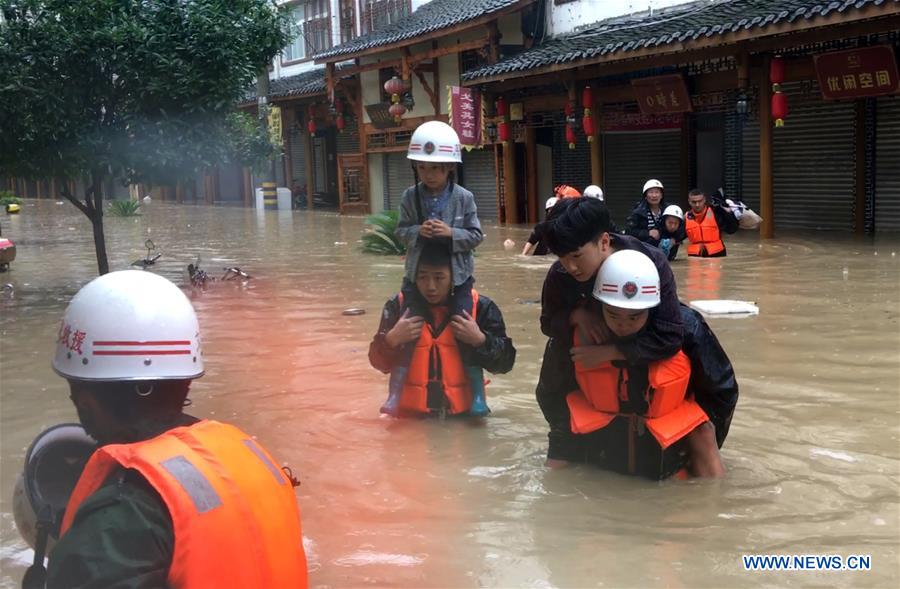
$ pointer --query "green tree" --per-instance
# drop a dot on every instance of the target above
(140, 90)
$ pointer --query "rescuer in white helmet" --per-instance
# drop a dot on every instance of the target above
(167, 498)
(645, 219)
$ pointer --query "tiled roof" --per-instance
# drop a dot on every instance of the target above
(436, 15)
(678, 24)
(308, 83)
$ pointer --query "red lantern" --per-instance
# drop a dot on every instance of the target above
(338, 106)
(502, 109)
(570, 136)
(587, 123)
(311, 119)
(779, 108)
(311, 126)
(397, 110)
(394, 87)
(339, 122)
(569, 109)
(503, 131)
(587, 99)
(776, 70)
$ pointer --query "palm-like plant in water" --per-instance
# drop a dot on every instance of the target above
(124, 208)
(378, 237)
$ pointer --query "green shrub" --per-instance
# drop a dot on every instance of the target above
(124, 208)
(8, 198)
(378, 236)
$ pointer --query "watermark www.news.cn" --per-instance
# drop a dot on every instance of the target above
(806, 562)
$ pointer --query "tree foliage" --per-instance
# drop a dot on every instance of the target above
(143, 90)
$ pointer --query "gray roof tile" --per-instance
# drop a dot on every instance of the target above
(675, 24)
(436, 15)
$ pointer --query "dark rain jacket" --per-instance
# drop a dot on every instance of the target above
(497, 355)
(640, 221)
(712, 375)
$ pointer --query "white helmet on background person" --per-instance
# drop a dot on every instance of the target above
(652, 183)
(129, 325)
(434, 142)
(673, 211)
(551, 202)
(594, 191)
(628, 279)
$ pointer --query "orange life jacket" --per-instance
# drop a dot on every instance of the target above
(234, 512)
(704, 233)
(436, 359)
(671, 414)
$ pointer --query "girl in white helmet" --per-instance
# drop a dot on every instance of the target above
(437, 210)
(672, 233)
(650, 418)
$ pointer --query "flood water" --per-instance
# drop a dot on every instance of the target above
(813, 456)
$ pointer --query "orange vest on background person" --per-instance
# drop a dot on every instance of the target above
(431, 355)
(234, 512)
(671, 413)
(703, 233)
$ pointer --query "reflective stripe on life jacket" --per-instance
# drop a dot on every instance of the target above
(670, 415)
(436, 359)
(704, 233)
(234, 512)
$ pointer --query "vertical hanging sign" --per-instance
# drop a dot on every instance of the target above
(466, 116)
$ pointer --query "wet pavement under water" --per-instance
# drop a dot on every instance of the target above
(813, 456)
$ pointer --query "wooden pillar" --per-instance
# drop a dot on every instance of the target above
(531, 180)
(310, 185)
(766, 193)
(510, 190)
(859, 209)
(685, 163)
(247, 192)
(498, 174)
(288, 118)
(597, 147)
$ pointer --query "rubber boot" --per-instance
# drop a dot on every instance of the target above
(479, 402)
(395, 389)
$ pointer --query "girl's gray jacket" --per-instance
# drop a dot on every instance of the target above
(460, 214)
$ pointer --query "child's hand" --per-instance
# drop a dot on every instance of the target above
(425, 229)
(466, 330)
(593, 356)
(407, 329)
(440, 229)
(590, 326)
(654, 233)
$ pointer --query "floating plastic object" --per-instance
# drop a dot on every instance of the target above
(353, 311)
(715, 307)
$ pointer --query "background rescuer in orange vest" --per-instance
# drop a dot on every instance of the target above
(704, 225)
(436, 380)
(167, 500)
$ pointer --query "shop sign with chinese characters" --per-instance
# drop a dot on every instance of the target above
(661, 94)
(465, 115)
(857, 73)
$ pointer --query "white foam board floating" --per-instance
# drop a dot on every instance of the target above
(725, 307)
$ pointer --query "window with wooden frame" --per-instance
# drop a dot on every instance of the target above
(312, 20)
(473, 58)
(347, 19)
(378, 14)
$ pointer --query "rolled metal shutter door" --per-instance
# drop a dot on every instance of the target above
(887, 164)
(630, 159)
(479, 176)
(398, 178)
(814, 161)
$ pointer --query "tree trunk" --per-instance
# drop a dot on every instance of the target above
(96, 217)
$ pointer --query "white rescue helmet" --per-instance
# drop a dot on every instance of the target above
(594, 191)
(652, 183)
(434, 142)
(551, 202)
(628, 279)
(673, 211)
(129, 325)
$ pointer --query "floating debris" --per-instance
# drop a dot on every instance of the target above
(353, 311)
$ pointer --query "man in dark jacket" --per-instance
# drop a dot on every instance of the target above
(478, 336)
(578, 232)
(704, 225)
